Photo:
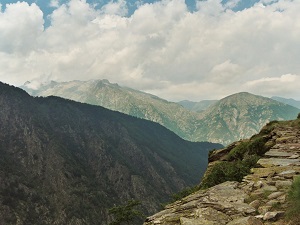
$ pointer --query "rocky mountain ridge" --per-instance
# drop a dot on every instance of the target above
(64, 162)
(125, 100)
(240, 116)
(232, 118)
(288, 101)
(258, 198)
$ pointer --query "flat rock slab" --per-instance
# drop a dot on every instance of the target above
(270, 162)
(281, 171)
(251, 220)
(278, 153)
(195, 221)
(212, 206)
(295, 156)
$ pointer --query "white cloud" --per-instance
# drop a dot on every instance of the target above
(225, 72)
(116, 8)
(20, 26)
(54, 3)
(286, 85)
(162, 48)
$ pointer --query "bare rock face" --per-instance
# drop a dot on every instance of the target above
(216, 205)
(259, 199)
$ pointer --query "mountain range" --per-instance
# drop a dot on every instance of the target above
(64, 162)
(241, 115)
(288, 101)
(232, 118)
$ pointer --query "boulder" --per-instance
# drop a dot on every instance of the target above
(255, 204)
(275, 195)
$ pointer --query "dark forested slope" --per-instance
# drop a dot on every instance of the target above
(64, 162)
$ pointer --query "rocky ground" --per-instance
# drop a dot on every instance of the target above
(261, 198)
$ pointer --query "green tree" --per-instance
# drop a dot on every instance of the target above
(124, 214)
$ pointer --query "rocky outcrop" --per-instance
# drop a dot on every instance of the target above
(261, 197)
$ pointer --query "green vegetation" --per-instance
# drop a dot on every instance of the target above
(229, 171)
(256, 146)
(125, 214)
(293, 212)
(240, 159)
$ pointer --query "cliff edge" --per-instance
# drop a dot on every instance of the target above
(245, 183)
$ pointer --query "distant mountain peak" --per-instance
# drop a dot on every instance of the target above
(246, 98)
(237, 116)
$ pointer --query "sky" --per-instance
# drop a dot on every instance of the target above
(175, 49)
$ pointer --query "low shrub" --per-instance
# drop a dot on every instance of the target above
(229, 171)
(237, 153)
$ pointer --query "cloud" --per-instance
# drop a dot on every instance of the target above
(286, 85)
(225, 72)
(162, 47)
(115, 8)
(54, 3)
(20, 26)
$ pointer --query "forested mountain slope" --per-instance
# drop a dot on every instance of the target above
(64, 162)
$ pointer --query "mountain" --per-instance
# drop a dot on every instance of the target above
(239, 116)
(288, 101)
(254, 181)
(197, 106)
(125, 100)
(232, 118)
(64, 162)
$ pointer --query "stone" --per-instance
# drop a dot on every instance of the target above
(269, 188)
(193, 221)
(250, 220)
(283, 183)
(271, 183)
(275, 195)
(211, 214)
(284, 139)
(295, 156)
(278, 153)
(278, 162)
(258, 184)
(264, 209)
(260, 217)
(273, 215)
(255, 204)
(282, 198)
(272, 202)
(287, 173)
